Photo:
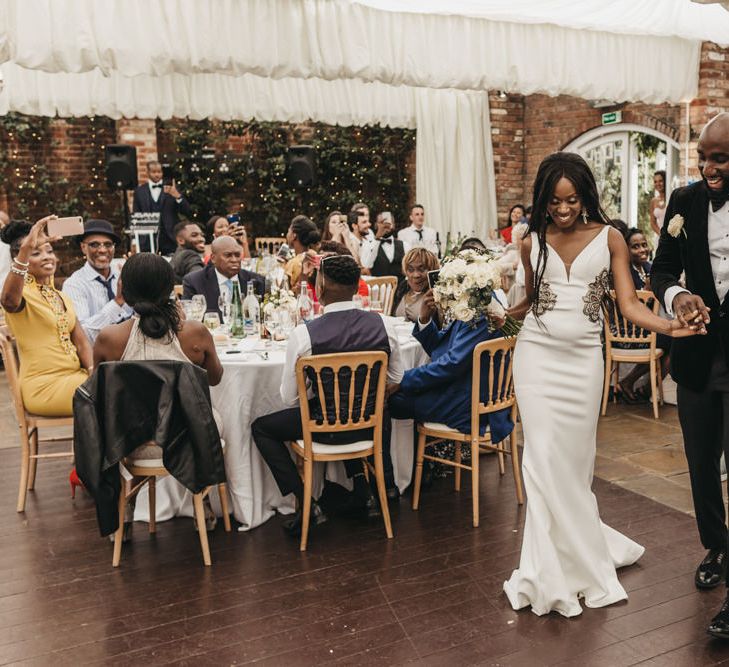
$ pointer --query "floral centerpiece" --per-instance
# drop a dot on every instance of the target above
(277, 299)
(465, 291)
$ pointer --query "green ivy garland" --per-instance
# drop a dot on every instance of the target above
(367, 164)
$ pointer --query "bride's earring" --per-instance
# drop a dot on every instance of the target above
(584, 215)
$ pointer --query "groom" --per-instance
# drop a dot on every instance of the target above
(695, 240)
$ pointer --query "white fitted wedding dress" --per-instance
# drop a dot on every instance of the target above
(567, 552)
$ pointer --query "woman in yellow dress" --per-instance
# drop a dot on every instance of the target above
(55, 355)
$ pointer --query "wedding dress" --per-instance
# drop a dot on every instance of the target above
(567, 552)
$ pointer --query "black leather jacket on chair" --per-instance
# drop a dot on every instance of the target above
(127, 403)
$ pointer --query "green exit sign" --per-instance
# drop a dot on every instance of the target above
(612, 117)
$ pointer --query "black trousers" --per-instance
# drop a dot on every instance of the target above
(271, 433)
(704, 418)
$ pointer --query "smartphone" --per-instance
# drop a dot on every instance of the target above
(433, 278)
(233, 219)
(66, 226)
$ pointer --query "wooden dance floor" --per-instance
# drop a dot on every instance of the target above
(431, 596)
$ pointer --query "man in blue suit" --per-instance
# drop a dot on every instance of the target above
(440, 391)
(224, 265)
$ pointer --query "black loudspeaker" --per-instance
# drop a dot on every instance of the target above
(301, 166)
(121, 166)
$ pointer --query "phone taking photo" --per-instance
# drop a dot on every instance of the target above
(433, 278)
(233, 219)
(73, 226)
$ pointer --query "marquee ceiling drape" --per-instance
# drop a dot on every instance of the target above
(427, 64)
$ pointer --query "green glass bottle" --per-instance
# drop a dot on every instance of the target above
(237, 323)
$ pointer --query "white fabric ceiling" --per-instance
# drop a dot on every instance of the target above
(427, 64)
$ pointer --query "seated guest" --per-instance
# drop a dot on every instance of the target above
(301, 236)
(156, 333)
(337, 229)
(440, 391)
(358, 221)
(342, 328)
(55, 355)
(417, 235)
(188, 256)
(384, 256)
(409, 295)
(640, 270)
(224, 265)
(311, 263)
(94, 288)
(218, 225)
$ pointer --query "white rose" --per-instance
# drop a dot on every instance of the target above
(675, 225)
(463, 313)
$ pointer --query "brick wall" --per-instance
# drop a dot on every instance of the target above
(507, 138)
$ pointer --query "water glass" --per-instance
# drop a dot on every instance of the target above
(201, 306)
(376, 305)
(189, 308)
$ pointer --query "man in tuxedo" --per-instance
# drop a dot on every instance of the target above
(155, 197)
(384, 256)
(223, 266)
(417, 235)
(695, 240)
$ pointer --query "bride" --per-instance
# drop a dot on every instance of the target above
(572, 257)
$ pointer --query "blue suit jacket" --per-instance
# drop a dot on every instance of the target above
(442, 388)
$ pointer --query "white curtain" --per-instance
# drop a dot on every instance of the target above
(454, 162)
(337, 39)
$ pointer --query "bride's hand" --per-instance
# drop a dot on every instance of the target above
(694, 327)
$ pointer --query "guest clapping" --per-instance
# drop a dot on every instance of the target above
(55, 355)
(410, 293)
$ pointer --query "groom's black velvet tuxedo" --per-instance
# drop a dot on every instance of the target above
(700, 364)
(691, 358)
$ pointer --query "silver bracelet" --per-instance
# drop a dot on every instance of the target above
(19, 272)
(19, 263)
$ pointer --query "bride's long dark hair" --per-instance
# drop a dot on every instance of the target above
(554, 167)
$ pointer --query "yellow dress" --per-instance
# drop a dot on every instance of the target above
(294, 268)
(50, 370)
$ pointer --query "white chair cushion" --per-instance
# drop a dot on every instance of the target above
(320, 448)
(434, 426)
(148, 456)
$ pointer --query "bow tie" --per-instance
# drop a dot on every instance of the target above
(157, 186)
(388, 240)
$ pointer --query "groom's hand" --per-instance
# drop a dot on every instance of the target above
(691, 311)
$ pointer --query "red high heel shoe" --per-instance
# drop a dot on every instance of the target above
(74, 480)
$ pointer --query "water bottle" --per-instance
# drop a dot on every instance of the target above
(304, 305)
(251, 313)
(237, 326)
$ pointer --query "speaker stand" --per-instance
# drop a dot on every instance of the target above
(127, 217)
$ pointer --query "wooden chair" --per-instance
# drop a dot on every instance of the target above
(149, 470)
(269, 243)
(499, 395)
(28, 423)
(642, 350)
(383, 289)
(347, 417)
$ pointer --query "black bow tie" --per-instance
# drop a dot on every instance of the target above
(157, 185)
(388, 240)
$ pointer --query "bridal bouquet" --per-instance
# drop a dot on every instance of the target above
(465, 290)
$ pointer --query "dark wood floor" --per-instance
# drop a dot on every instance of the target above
(431, 596)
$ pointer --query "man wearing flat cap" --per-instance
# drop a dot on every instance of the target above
(95, 288)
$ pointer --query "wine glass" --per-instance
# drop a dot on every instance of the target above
(272, 322)
(211, 320)
(287, 322)
(376, 305)
(201, 306)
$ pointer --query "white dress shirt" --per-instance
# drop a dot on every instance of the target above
(91, 302)
(155, 192)
(368, 252)
(299, 345)
(718, 233)
(411, 238)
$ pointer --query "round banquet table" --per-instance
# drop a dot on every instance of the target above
(250, 389)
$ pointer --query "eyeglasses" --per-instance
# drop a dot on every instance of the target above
(106, 245)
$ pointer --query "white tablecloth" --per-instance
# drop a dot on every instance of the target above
(250, 389)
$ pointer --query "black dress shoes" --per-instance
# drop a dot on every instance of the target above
(712, 570)
(719, 626)
(292, 526)
(393, 494)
